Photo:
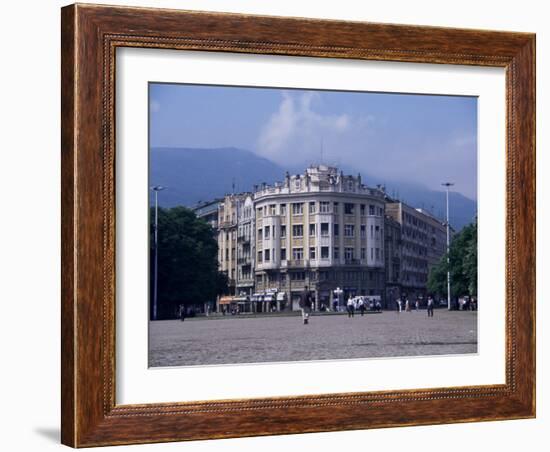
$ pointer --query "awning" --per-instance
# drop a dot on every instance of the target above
(241, 299)
(225, 300)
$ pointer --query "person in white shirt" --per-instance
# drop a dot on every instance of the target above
(351, 307)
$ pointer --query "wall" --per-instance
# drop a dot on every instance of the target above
(30, 228)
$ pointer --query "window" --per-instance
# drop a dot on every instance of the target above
(324, 229)
(363, 253)
(260, 256)
(312, 229)
(336, 253)
(312, 207)
(283, 254)
(349, 208)
(297, 254)
(377, 230)
(335, 207)
(227, 254)
(377, 253)
(324, 207)
(348, 254)
(362, 209)
(312, 252)
(324, 252)
(272, 209)
(371, 231)
(363, 231)
(282, 208)
(297, 208)
(266, 255)
(267, 232)
(371, 209)
(260, 234)
(349, 230)
(298, 230)
(283, 231)
(298, 276)
(372, 253)
(336, 227)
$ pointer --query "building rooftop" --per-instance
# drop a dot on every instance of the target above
(318, 178)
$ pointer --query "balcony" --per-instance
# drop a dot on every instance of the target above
(297, 263)
(227, 224)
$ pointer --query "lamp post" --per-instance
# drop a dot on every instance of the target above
(447, 185)
(156, 189)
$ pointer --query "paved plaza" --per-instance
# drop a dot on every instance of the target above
(241, 339)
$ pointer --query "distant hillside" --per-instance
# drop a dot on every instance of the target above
(193, 175)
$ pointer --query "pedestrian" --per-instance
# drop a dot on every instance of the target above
(305, 304)
(351, 307)
(399, 305)
(361, 305)
(407, 305)
(417, 305)
(182, 312)
(430, 307)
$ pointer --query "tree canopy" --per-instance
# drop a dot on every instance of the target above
(462, 265)
(187, 261)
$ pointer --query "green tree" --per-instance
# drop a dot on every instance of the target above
(187, 261)
(462, 265)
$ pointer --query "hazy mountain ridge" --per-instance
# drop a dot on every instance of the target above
(194, 175)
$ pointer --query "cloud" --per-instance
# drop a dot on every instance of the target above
(296, 131)
(389, 147)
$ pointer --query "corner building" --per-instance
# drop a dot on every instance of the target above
(319, 229)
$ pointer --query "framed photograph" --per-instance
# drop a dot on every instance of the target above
(282, 225)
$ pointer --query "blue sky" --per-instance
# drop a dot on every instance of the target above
(420, 139)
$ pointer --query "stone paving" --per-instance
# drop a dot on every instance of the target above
(228, 340)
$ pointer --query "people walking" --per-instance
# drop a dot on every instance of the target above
(305, 304)
(351, 307)
(181, 313)
(417, 304)
(361, 306)
(399, 305)
(407, 305)
(430, 307)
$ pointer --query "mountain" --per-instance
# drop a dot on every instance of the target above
(193, 175)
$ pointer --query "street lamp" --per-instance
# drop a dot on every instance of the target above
(447, 185)
(156, 189)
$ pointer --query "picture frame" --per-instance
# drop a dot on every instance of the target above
(90, 36)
